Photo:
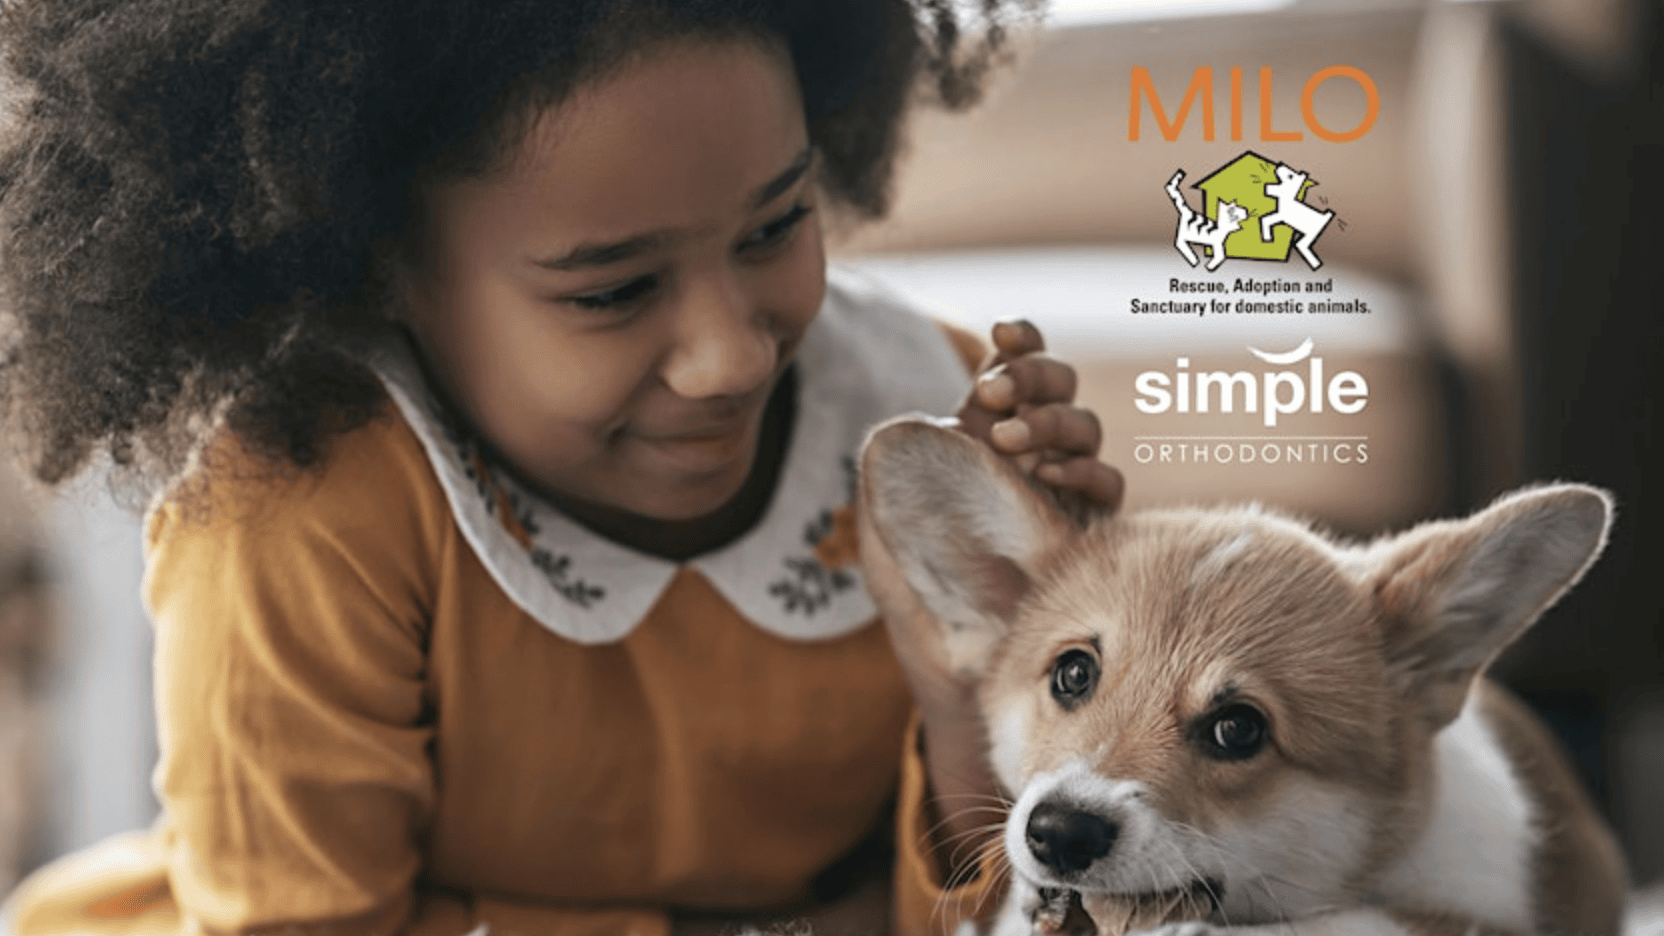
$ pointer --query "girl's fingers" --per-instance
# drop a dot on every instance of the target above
(1054, 429)
(1034, 378)
(1014, 338)
(1087, 477)
(1022, 404)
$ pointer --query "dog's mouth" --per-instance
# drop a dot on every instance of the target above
(1064, 912)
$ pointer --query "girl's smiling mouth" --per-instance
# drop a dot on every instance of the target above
(708, 446)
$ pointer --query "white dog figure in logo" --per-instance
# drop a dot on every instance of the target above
(1306, 221)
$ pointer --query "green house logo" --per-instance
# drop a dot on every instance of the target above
(1253, 209)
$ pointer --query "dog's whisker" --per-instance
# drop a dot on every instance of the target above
(931, 832)
(1189, 872)
(990, 797)
(1260, 879)
(998, 866)
(1219, 847)
(963, 870)
(958, 840)
(1000, 811)
(987, 862)
(1208, 881)
(981, 838)
(930, 839)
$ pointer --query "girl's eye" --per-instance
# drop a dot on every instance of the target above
(1074, 676)
(618, 297)
(778, 230)
(1235, 732)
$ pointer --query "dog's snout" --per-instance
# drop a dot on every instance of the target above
(1066, 839)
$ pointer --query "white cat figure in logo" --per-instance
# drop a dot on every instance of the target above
(1197, 228)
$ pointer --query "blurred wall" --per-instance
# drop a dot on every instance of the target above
(103, 724)
(27, 631)
(1588, 139)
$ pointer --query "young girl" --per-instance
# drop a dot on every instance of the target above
(503, 578)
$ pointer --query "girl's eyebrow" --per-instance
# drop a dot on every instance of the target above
(586, 256)
(776, 186)
(594, 255)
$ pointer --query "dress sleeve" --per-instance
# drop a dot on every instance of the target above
(293, 718)
(926, 904)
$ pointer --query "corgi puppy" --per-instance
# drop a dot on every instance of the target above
(1227, 705)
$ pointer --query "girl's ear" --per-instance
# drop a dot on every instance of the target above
(958, 526)
(1455, 593)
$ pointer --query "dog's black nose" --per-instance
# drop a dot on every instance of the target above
(1068, 840)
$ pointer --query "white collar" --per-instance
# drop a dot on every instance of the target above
(866, 357)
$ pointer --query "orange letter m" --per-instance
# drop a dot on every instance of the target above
(1202, 80)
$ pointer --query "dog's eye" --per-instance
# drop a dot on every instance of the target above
(1236, 732)
(1074, 676)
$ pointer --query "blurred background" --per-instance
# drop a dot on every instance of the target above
(1503, 217)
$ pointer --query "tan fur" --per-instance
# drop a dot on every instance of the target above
(1358, 658)
(1579, 873)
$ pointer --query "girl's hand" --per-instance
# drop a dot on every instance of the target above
(1022, 405)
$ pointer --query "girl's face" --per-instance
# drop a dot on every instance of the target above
(613, 307)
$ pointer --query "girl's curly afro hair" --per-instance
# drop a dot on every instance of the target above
(198, 198)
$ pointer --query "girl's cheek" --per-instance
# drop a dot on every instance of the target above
(797, 284)
(594, 377)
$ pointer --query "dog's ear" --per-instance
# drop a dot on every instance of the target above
(947, 522)
(1455, 593)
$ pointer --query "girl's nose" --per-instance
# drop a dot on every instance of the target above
(726, 346)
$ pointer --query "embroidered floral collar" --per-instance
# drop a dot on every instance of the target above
(866, 357)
